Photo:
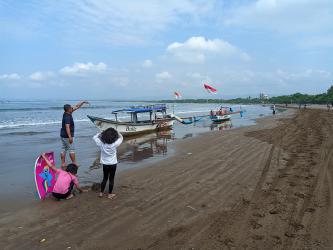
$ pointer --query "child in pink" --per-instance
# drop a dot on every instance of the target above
(65, 181)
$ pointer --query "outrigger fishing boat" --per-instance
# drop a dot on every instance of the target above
(223, 114)
(154, 117)
(187, 120)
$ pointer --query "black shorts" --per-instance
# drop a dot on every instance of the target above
(64, 196)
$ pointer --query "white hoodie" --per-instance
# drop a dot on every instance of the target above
(108, 151)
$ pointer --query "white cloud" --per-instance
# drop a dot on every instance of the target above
(12, 76)
(308, 73)
(122, 81)
(83, 68)
(123, 22)
(283, 15)
(147, 63)
(195, 75)
(40, 76)
(196, 49)
(165, 75)
(318, 41)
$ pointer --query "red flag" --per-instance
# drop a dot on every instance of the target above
(210, 89)
(177, 95)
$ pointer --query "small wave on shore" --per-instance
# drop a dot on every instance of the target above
(26, 124)
(28, 133)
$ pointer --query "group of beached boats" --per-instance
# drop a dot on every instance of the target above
(144, 119)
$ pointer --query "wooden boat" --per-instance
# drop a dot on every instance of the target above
(223, 114)
(220, 118)
(187, 120)
(154, 118)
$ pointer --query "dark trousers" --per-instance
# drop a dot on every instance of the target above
(64, 196)
(108, 173)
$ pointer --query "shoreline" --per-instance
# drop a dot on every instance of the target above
(138, 152)
(255, 187)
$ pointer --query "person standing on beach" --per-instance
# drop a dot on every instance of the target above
(67, 133)
(108, 141)
(274, 109)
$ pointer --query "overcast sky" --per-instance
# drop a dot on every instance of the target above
(99, 49)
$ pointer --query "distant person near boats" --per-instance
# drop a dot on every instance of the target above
(274, 109)
(67, 133)
(108, 141)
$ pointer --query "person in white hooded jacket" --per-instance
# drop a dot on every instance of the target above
(108, 141)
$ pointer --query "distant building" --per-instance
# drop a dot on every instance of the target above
(263, 96)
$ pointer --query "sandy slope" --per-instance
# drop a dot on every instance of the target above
(267, 186)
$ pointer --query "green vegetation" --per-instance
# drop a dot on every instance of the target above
(236, 100)
(296, 98)
(303, 98)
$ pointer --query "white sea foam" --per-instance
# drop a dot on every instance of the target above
(25, 124)
(24, 121)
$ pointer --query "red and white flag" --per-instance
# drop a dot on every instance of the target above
(177, 95)
(210, 89)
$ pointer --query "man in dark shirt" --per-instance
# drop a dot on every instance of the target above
(67, 132)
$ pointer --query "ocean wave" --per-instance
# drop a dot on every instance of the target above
(44, 123)
(27, 133)
(56, 108)
(26, 124)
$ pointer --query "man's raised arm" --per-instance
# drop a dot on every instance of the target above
(79, 105)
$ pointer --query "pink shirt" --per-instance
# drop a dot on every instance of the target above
(63, 181)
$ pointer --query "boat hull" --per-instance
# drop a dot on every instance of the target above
(129, 128)
(220, 118)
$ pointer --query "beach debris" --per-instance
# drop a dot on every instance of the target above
(19, 227)
(191, 208)
(69, 247)
(42, 240)
(189, 153)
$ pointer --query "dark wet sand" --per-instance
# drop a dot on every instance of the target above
(267, 186)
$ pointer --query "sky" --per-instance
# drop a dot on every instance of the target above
(141, 50)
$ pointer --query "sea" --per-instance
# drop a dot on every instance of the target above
(28, 128)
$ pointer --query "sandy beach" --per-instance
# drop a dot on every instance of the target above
(267, 186)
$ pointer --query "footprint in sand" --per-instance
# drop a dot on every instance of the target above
(261, 215)
(289, 235)
(300, 195)
(297, 226)
(257, 237)
(255, 225)
(274, 211)
(310, 210)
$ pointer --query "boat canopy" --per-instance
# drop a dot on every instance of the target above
(143, 109)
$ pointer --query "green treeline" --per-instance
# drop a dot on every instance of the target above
(296, 98)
